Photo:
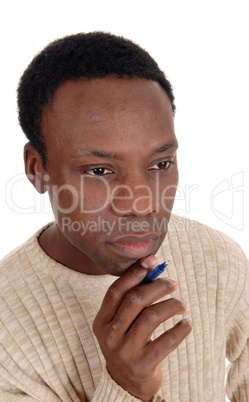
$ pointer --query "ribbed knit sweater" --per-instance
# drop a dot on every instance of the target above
(47, 348)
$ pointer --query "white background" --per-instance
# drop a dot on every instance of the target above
(203, 48)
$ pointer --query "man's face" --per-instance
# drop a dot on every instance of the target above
(111, 152)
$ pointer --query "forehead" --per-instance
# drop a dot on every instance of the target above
(90, 109)
(109, 94)
(111, 87)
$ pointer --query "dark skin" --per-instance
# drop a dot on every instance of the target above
(115, 134)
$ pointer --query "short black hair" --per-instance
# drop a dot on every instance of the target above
(89, 55)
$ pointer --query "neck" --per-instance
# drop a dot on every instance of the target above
(61, 250)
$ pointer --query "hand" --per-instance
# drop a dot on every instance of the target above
(125, 323)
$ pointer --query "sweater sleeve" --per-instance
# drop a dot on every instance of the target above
(237, 386)
(109, 391)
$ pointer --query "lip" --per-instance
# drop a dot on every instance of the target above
(134, 246)
(136, 238)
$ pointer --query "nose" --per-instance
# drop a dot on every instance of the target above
(135, 196)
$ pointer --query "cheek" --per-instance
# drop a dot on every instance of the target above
(64, 199)
(168, 192)
(94, 195)
(85, 197)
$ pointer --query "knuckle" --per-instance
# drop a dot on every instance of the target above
(173, 337)
(136, 369)
(110, 342)
(138, 272)
(170, 341)
(165, 286)
(156, 353)
(130, 361)
(113, 292)
(150, 315)
(134, 297)
(124, 356)
(116, 323)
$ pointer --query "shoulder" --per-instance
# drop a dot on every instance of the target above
(19, 258)
(199, 238)
(212, 257)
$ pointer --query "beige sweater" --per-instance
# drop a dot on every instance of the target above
(49, 353)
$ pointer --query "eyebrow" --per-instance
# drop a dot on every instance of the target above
(103, 154)
(165, 147)
(95, 152)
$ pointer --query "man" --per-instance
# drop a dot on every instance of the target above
(75, 323)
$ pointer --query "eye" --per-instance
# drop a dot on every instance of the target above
(162, 165)
(98, 171)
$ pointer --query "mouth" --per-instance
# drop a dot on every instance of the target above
(134, 246)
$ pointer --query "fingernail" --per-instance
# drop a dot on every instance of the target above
(184, 305)
(189, 321)
(172, 281)
(149, 262)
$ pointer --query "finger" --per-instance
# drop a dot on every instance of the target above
(161, 347)
(140, 297)
(146, 323)
(117, 291)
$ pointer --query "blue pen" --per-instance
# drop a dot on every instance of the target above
(152, 275)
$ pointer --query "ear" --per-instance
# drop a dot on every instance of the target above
(33, 168)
